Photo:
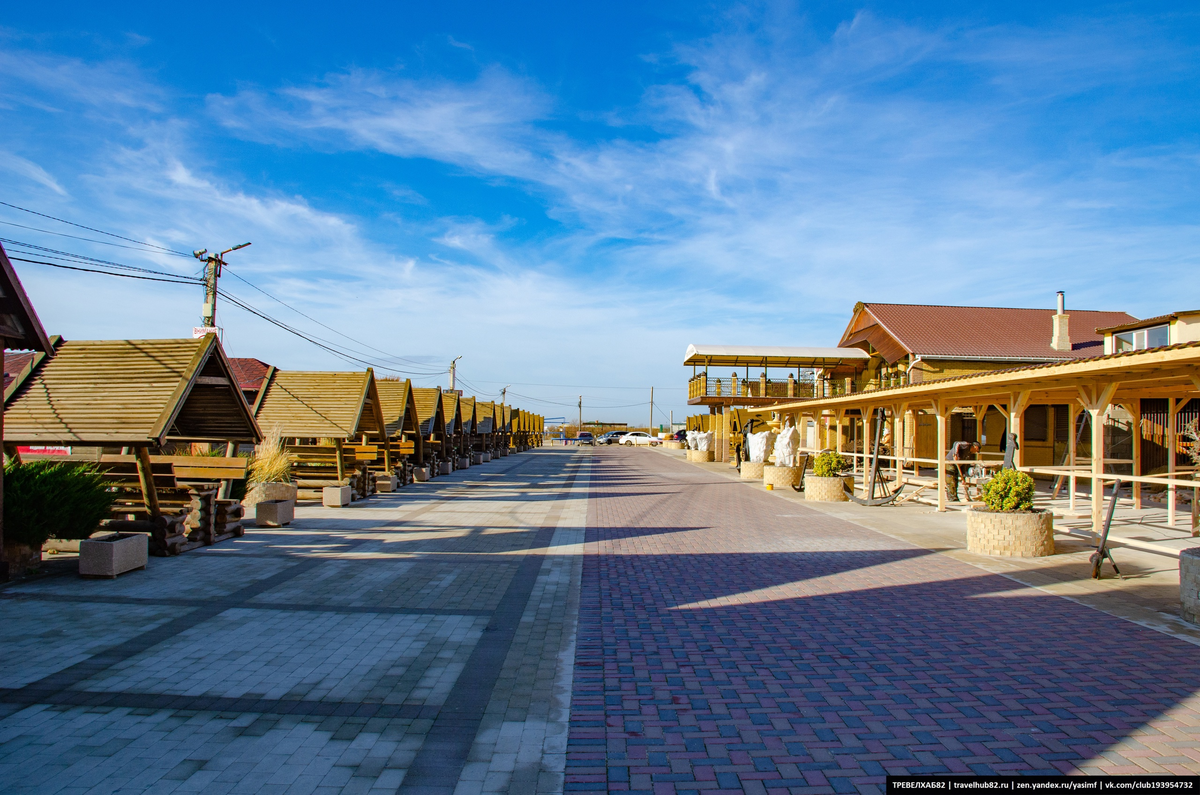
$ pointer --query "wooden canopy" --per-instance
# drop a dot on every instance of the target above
(466, 412)
(331, 405)
(128, 393)
(485, 418)
(452, 412)
(770, 356)
(399, 407)
(428, 401)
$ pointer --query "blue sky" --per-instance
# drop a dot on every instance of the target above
(568, 196)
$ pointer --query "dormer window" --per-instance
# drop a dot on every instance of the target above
(1141, 339)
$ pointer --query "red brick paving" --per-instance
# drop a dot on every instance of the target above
(733, 641)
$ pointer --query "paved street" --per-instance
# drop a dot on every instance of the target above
(469, 635)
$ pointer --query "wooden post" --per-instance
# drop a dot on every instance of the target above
(1096, 400)
(838, 413)
(227, 485)
(387, 454)
(1017, 404)
(341, 460)
(1073, 412)
(1137, 452)
(939, 412)
(867, 414)
(146, 480)
(1173, 406)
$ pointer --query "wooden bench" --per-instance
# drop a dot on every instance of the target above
(191, 513)
(316, 466)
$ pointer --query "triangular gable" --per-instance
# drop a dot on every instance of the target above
(452, 412)
(20, 327)
(399, 406)
(429, 412)
(466, 413)
(128, 392)
(335, 405)
(485, 417)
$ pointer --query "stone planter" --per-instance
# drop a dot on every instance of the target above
(825, 489)
(420, 474)
(386, 483)
(110, 555)
(752, 470)
(262, 492)
(780, 477)
(1017, 534)
(1189, 585)
(445, 468)
(673, 445)
(700, 455)
(336, 496)
(464, 461)
(503, 452)
(274, 513)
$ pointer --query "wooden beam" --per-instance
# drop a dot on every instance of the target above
(146, 481)
(942, 414)
(1173, 407)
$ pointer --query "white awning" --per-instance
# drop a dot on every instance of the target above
(771, 356)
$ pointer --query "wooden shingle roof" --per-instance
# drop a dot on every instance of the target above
(20, 327)
(466, 410)
(429, 410)
(128, 392)
(452, 411)
(332, 405)
(399, 406)
(485, 417)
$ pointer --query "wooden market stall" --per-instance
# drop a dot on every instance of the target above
(143, 398)
(403, 447)
(1095, 387)
(485, 430)
(452, 412)
(434, 446)
(333, 424)
(470, 429)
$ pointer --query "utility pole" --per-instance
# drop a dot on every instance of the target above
(650, 428)
(580, 415)
(453, 364)
(503, 394)
(212, 272)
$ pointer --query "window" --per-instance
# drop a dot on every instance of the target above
(1141, 339)
(1036, 422)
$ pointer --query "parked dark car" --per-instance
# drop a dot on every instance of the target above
(585, 437)
(680, 436)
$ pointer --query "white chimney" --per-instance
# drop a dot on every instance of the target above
(1060, 336)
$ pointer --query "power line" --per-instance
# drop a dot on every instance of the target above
(97, 231)
(75, 237)
(172, 280)
(50, 252)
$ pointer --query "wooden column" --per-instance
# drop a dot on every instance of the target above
(146, 480)
(1136, 410)
(1073, 450)
(1096, 400)
(838, 413)
(1173, 407)
(1017, 404)
(341, 460)
(940, 412)
(868, 416)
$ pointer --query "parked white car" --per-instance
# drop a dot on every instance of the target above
(639, 437)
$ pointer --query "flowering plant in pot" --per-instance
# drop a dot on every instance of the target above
(270, 475)
(826, 483)
(1007, 524)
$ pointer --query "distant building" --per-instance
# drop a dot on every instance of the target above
(251, 374)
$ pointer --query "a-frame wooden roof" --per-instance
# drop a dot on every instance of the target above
(399, 406)
(485, 418)
(20, 327)
(429, 411)
(466, 410)
(452, 411)
(506, 417)
(128, 392)
(333, 405)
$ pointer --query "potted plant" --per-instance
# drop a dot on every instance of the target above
(53, 500)
(1008, 524)
(270, 482)
(826, 483)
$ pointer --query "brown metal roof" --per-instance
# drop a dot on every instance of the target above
(250, 373)
(332, 405)
(974, 332)
(128, 392)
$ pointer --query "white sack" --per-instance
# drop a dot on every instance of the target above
(786, 447)
(704, 441)
(691, 440)
(759, 444)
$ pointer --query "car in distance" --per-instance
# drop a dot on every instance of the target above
(585, 437)
(639, 437)
(611, 437)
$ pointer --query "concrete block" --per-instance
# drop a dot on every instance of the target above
(464, 461)
(446, 468)
(420, 474)
(274, 513)
(386, 483)
(336, 496)
(108, 556)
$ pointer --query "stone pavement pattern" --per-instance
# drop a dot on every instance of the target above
(420, 641)
(733, 641)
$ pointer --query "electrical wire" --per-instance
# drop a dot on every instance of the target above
(97, 231)
(174, 280)
(53, 253)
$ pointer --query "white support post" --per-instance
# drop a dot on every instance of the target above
(868, 416)
(1073, 413)
(1097, 400)
(1136, 410)
(1017, 404)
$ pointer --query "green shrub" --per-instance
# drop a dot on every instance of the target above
(1009, 490)
(53, 499)
(828, 465)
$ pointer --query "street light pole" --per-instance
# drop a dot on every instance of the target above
(212, 272)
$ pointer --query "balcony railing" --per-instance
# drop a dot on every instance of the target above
(702, 385)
